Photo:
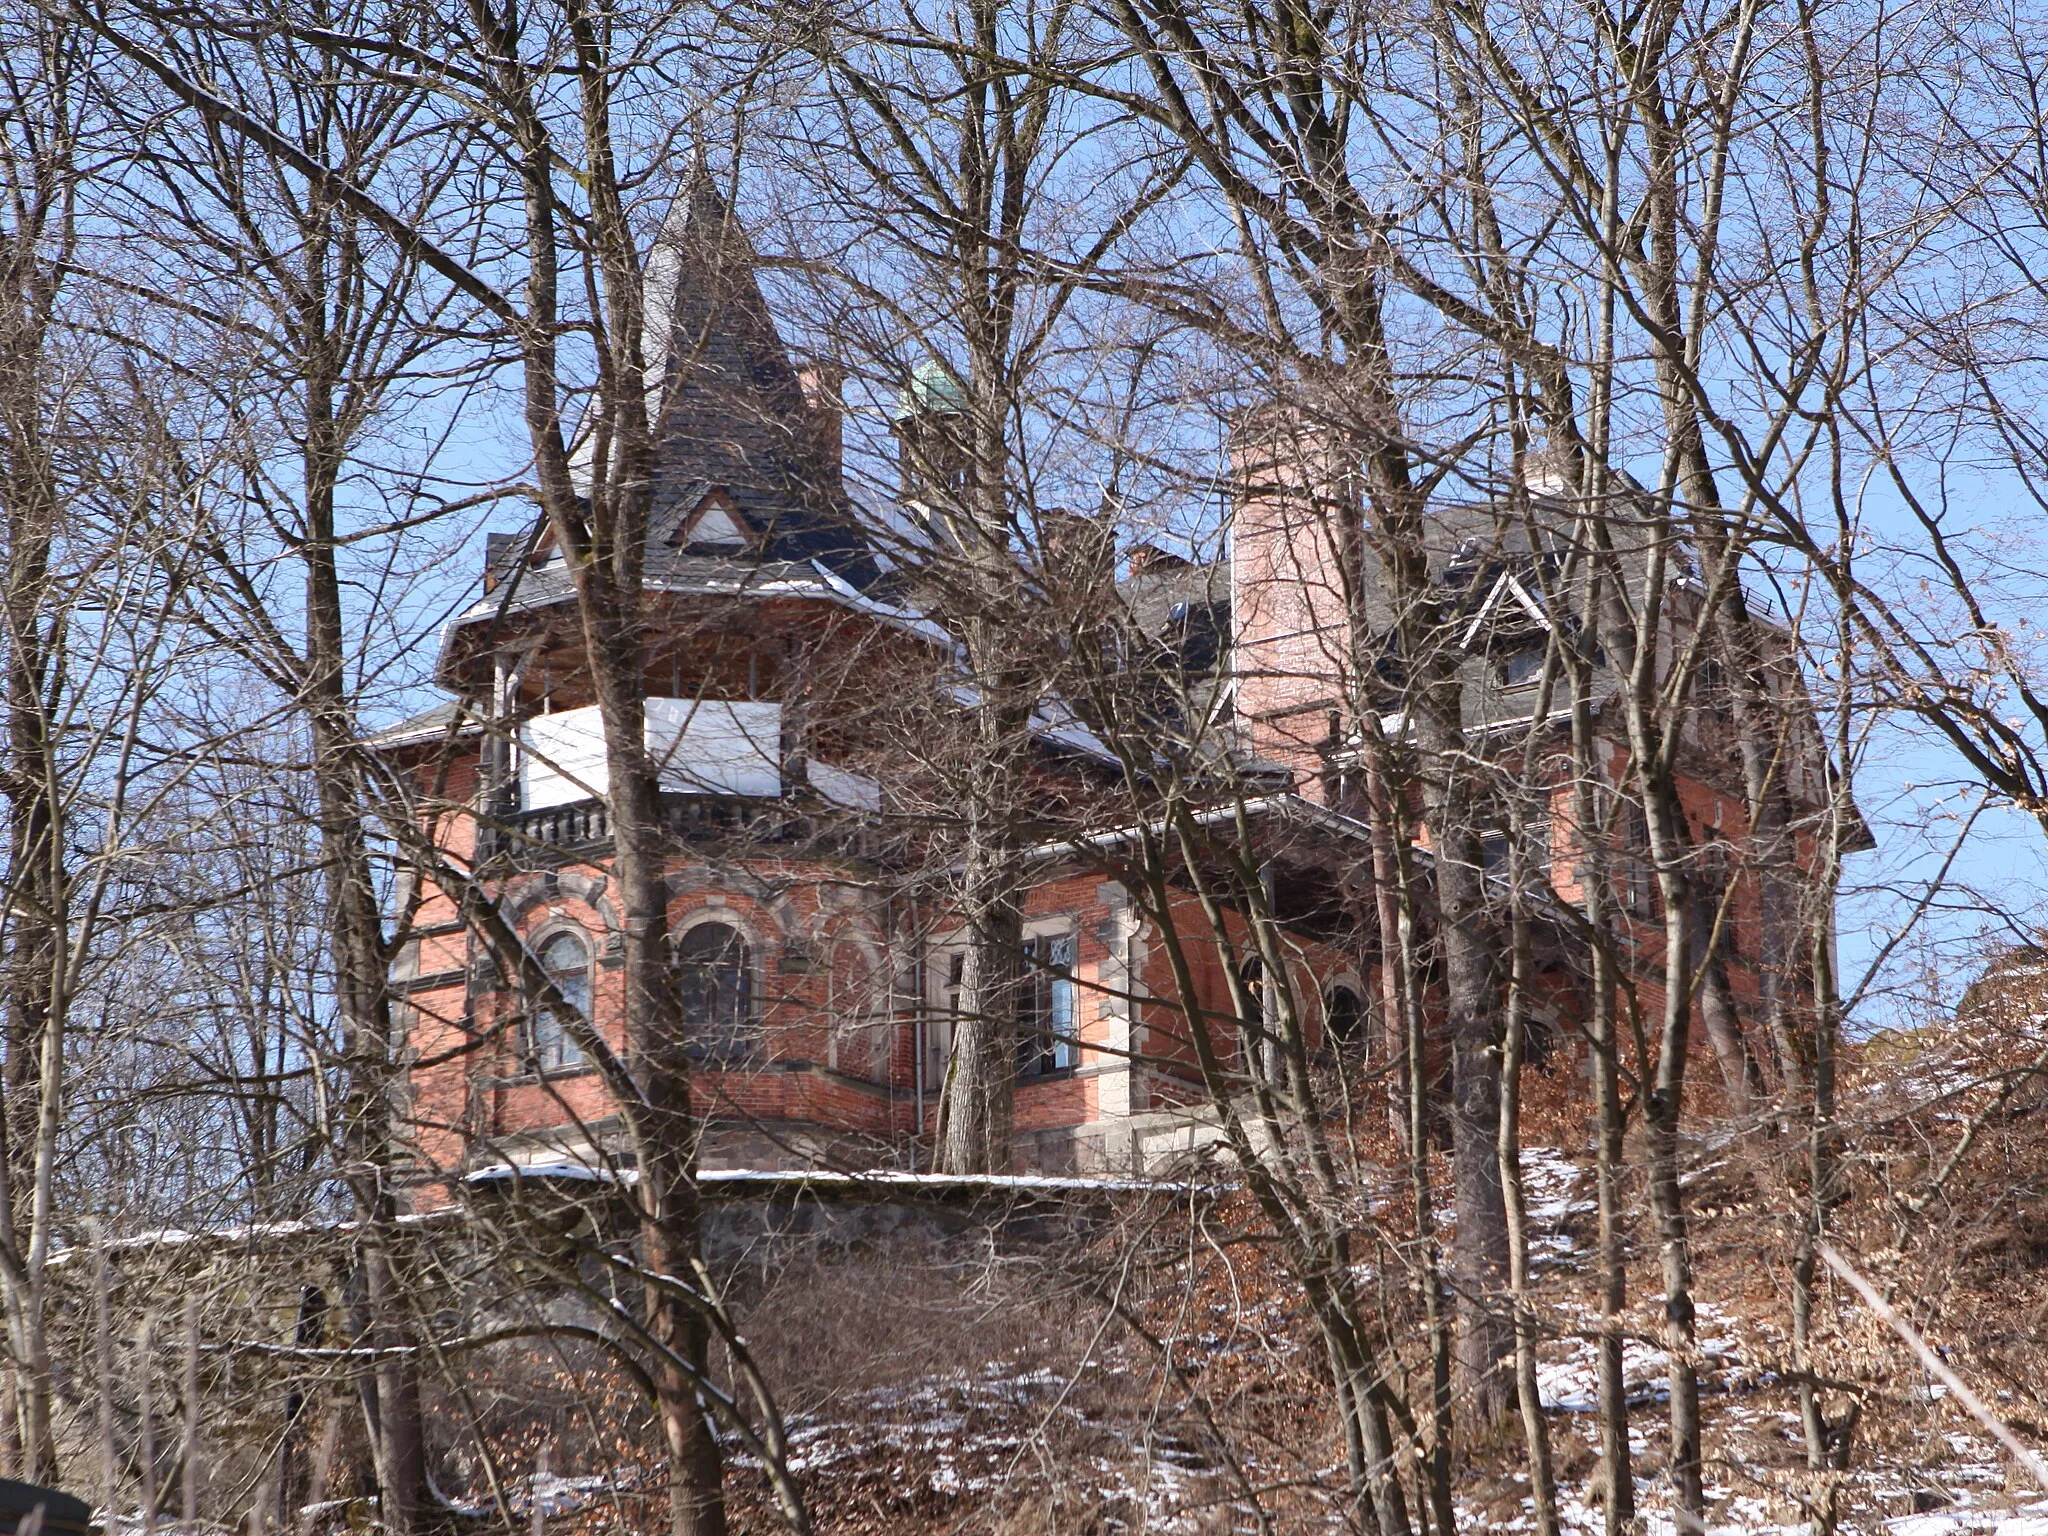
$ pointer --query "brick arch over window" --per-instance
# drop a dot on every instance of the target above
(756, 906)
(536, 893)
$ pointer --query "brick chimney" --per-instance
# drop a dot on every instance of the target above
(821, 384)
(1150, 559)
(1291, 640)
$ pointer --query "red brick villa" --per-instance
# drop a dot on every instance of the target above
(818, 976)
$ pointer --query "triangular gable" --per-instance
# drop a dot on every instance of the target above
(1506, 593)
(714, 523)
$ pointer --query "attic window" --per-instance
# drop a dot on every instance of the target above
(714, 525)
(1519, 668)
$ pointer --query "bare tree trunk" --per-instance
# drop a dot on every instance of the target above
(1279, 67)
(1663, 1109)
(188, 1448)
(38, 890)
(1469, 940)
(1309, 1228)
(1589, 801)
(661, 1115)
(294, 1480)
(1827, 1444)
(145, 1417)
(360, 950)
(975, 1112)
(1724, 1027)
(103, 1385)
(1404, 962)
(1616, 1462)
(1535, 1431)
(970, 240)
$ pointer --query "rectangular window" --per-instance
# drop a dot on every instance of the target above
(1623, 840)
(1535, 836)
(1045, 1013)
(1637, 885)
(945, 1019)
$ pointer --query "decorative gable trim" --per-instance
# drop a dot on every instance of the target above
(715, 523)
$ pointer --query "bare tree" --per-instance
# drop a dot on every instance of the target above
(87, 643)
(572, 277)
(957, 162)
(315, 322)
(1275, 111)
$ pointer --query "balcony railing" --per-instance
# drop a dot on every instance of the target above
(584, 827)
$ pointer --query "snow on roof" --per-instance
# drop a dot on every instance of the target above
(569, 1170)
(1286, 805)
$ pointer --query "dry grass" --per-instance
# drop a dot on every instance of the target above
(956, 1386)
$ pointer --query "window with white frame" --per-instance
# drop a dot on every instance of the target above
(950, 971)
(1045, 1013)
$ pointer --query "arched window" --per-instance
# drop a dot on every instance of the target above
(1343, 1018)
(566, 959)
(1252, 972)
(717, 981)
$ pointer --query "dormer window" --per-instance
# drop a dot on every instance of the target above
(714, 526)
(1522, 667)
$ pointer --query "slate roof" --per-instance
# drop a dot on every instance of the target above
(732, 412)
(729, 414)
(1161, 592)
(1503, 587)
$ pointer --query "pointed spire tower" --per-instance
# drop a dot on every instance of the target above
(746, 460)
